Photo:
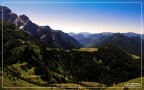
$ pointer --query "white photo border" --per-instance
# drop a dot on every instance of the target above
(75, 3)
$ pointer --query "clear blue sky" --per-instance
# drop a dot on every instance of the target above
(82, 17)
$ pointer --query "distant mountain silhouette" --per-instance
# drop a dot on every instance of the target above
(90, 39)
(97, 38)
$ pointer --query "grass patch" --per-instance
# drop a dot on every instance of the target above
(135, 57)
(87, 49)
(68, 85)
(130, 82)
(29, 73)
(11, 85)
(92, 84)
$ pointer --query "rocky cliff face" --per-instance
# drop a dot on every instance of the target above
(44, 33)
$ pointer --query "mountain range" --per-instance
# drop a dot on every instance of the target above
(59, 39)
(45, 34)
(120, 40)
(87, 34)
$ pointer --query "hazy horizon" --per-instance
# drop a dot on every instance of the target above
(104, 32)
(83, 17)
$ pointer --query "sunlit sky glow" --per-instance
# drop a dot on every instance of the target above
(82, 17)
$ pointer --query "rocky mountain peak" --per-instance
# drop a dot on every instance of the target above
(5, 10)
(7, 14)
(44, 33)
(46, 28)
(24, 18)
